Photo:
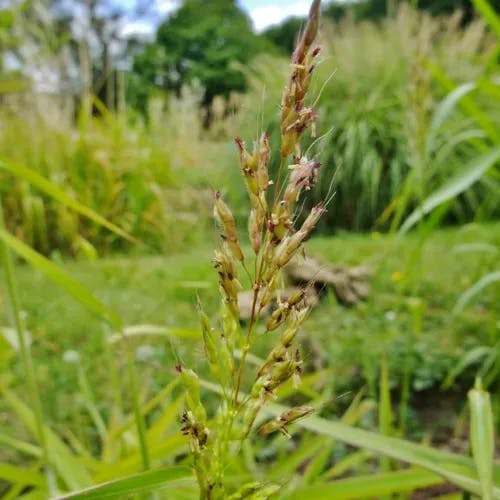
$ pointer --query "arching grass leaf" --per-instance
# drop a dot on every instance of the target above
(49, 188)
(475, 289)
(372, 486)
(58, 276)
(455, 186)
(164, 478)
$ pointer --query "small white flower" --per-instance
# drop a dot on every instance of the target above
(71, 356)
(390, 315)
(144, 352)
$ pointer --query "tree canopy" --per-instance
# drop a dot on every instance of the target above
(201, 41)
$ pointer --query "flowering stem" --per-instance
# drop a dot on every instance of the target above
(246, 346)
(253, 318)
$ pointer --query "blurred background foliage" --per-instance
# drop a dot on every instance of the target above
(127, 123)
(140, 129)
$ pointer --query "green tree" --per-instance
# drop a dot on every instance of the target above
(376, 9)
(447, 6)
(200, 41)
(284, 35)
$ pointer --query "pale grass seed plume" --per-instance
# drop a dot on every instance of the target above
(275, 241)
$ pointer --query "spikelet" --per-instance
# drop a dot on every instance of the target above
(197, 430)
(281, 351)
(254, 167)
(289, 246)
(192, 385)
(255, 170)
(264, 387)
(229, 285)
(295, 117)
(283, 310)
(224, 215)
(304, 175)
(286, 418)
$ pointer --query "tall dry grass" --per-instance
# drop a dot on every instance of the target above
(376, 112)
(135, 173)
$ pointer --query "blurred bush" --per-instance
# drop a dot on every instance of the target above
(378, 91)
(129, 171)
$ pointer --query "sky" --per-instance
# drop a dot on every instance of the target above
(263, 13)
(267, 12)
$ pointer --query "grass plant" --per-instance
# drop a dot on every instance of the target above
(274, 242)
(58, 324)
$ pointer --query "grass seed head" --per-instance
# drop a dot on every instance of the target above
(274, 241)
(224, 215)
(198, 431)
(295, 117)
(286, 418)
(254, 231)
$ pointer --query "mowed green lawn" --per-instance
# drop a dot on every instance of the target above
(416, 284)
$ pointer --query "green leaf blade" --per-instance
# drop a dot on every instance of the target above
(52, 190)
(482, 438)
(58, 276)
(372, 486)
(171, 477)
(455, 186)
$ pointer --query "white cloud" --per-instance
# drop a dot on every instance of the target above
(263, 17)
(166, 6)
(145, 28)
(142, 29)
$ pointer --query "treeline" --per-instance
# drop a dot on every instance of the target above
(209, 43)
(203, 41)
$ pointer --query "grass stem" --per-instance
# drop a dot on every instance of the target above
(24, 348)
(138, 417)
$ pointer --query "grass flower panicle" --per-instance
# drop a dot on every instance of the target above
(295, 116)
(275, 241)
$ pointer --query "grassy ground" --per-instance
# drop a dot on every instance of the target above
(408, 318)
